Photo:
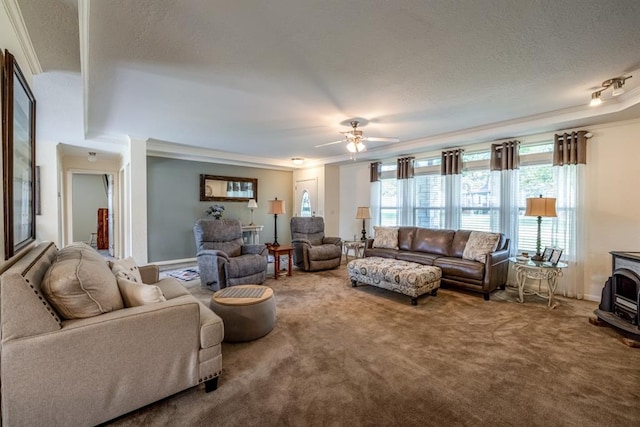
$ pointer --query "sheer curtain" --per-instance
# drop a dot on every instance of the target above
(505, 162)
(570, 230)
(451, 168)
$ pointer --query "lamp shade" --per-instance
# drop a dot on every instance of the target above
(252, 204)
(541, 206)
(276, 207)
(363, 212)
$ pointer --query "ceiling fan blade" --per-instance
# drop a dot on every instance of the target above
(330, 143)
(380, 139)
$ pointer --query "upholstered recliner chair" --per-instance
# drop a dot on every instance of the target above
(223, 258)
(312, 251)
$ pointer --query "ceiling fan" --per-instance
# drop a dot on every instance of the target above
(355, 139)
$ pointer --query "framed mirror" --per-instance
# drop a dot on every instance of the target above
(19, 156)
(228, 188)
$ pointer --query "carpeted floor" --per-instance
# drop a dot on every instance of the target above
(364, 356)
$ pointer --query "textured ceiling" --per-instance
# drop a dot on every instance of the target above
(274, 79)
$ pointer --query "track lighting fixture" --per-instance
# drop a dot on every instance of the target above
(615, 83)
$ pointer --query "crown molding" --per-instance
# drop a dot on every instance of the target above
(17, 22)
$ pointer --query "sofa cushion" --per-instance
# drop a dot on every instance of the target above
(417, 257)
(433, 241)
(405, 238)
(135, 294)
(479, 245)
(385, 237)
(459, 243)
(381, 252)
(127, 269)
(462, 268)
(79, 283)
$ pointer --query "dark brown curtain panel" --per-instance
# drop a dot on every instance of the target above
(505, 156)
(405, 168)
(452, 162)
(375, 170)
(570, 148)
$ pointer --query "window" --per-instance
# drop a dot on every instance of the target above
(429, 194)
(536, 178)
(305, 204)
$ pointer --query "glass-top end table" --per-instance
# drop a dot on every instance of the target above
(357, 246)
(539, 270)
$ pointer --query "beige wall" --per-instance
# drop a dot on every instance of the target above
(613, 199)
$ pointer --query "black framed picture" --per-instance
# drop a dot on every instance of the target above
(546, 255)
(555, 256)
(19, 155)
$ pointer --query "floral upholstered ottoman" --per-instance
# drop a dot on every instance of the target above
(408, 278)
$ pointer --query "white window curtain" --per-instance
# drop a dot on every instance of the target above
(569, 161)
(406, 201)
(509, 190)
(452, 208)
(570, 229)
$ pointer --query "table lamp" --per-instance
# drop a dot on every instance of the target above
(276, 207)
(540, 207)
(252, 205)
(363, 213)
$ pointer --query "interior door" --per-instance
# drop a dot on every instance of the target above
(306, 197)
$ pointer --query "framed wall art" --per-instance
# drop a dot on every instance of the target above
(19, 155)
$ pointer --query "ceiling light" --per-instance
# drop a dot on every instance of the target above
(298, 161)
(615, 83)
(92, 156)
(356, 147)
(617, 87)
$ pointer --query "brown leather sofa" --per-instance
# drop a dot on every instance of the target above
(444, 249)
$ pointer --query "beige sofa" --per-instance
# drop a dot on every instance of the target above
(85, 371)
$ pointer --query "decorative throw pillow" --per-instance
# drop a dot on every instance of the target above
(385, 237)
(127, 269)
(79, 283)
(479, 245)
(135, 294)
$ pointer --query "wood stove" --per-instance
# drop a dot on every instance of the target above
(620, 304)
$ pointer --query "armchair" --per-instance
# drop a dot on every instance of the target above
(223, 258)
(312, 251)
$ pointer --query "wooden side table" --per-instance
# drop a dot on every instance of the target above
(277, 252)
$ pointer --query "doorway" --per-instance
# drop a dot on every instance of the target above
(91, 209)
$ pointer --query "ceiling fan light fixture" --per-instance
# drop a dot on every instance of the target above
(351, 147)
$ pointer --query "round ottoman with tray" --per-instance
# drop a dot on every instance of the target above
(248, 311)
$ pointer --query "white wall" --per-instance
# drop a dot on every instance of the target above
(48, 223)
(612, 197)
(9, 40)
(354, 192)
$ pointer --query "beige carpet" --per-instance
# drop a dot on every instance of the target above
(364, 356)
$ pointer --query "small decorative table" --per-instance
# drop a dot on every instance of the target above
(356, 245)
(539, 271)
